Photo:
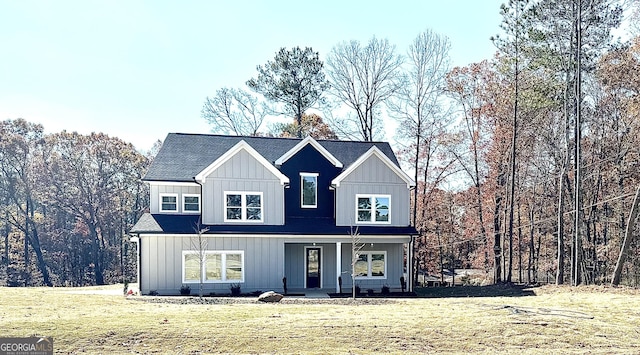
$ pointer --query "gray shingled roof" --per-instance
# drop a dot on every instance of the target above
(183, 156)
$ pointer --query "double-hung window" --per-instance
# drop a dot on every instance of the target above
(190, 203)
(309, 190)
(243, 206)
(371, 265)
(214, 266)
(373, 209)
(168, 202)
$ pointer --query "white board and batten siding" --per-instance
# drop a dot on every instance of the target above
(242, 172)
(161, 259)
(372, 177)
(167, 188)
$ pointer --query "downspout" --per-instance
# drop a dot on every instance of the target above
(411, 263)
(201, 200)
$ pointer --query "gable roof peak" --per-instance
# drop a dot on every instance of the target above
(385, 159)
(242, 145)
(314, 143)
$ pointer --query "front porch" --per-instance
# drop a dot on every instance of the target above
(321, 266)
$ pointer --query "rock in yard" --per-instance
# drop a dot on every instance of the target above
(270, 296)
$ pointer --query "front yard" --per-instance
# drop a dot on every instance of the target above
(539, 320)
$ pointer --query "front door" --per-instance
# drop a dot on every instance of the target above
(313, 267)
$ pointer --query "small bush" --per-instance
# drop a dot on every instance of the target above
(385, 290)
(153, 293)
(357, 289)
(185, 290)
(235, 289)
(370, 292)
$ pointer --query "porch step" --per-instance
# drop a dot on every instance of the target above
(315, 294)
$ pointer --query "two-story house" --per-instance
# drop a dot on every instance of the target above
(270, 208)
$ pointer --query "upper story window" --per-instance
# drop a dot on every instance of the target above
(309, 190)
(190, 203)
(243, 206)
(168, 202)
(373, 208)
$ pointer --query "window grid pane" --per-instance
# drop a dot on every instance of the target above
(382, 209)
(234, 267)
(234, 200)
(377, 264)
(253, 201)
(361, 267)
(213, 267)
(191, 267)
(364, 209)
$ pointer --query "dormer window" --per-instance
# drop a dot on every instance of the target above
(309, 190)
(168, 202)
(190, 203)
(373, 208)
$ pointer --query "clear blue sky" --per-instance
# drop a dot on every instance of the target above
(140, 69)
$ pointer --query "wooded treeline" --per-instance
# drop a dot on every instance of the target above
(549, 143)
(67, 202)
(526, 163)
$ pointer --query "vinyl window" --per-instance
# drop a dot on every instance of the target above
(168, 202)
(190, 203)
(243, 206)
(309, 190)
(373, 209)
(217, 266)
(371, 265)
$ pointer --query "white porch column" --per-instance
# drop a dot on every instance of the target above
(410, 266)
(338, 264)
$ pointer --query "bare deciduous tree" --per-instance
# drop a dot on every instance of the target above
(234, 111)
(200, 244)
(362, 78)
(422, 120)
(356, 247)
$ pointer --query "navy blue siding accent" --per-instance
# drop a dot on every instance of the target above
(309, 160)
(185, 224)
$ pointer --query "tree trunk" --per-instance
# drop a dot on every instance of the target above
(622, 257)
(497, 277)
(96, 255)
(560, 229)
(532, 248)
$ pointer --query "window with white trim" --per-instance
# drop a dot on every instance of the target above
(168, 202)
(190, 203)
(217, 266)
(309, 190)
(371, 265)
(373, 209)
(242, 206)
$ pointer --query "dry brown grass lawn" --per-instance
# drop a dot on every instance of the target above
(555, 320)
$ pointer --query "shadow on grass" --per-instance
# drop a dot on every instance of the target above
(501, 290)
